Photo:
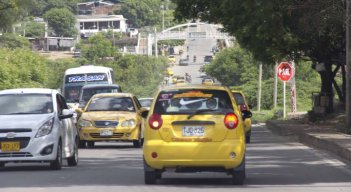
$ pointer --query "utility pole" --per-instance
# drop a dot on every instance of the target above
(156, 49)
(259, 88)
(163, 16)
(348, 67)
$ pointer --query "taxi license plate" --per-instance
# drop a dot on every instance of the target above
(193, 131)
(10, 146)
(106, 132)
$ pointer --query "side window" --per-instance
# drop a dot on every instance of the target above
(137, 102)
(58, 104)
(61, 104)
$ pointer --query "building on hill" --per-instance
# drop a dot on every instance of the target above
(89, 25)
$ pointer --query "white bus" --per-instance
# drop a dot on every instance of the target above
(76, 78)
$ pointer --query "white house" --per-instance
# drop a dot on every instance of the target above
(90, 24)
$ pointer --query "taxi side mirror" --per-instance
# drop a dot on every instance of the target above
(144, 113)
(79, 111)
(246, 114)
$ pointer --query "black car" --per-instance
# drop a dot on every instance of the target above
(208, 59)
(183, 62)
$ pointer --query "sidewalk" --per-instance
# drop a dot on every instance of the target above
(322, 135)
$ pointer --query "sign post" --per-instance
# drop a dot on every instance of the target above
(285, 73)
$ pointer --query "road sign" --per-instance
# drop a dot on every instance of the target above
(285, 71)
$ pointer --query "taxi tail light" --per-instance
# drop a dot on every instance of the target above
(231, 121)
(155, 121)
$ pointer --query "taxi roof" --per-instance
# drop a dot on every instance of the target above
(196, 86)
(113, 95)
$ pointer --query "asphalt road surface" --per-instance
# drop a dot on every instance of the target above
(273, 164)
(198, 47)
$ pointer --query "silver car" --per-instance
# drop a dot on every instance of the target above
(37, 126)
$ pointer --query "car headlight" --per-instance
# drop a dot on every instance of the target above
(84, 123)
(128, 123)
(46, 128)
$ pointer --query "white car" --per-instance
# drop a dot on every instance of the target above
(36, 125)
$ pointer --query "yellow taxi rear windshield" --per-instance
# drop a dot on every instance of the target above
(190, 101)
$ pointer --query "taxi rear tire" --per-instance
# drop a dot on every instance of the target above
(2, 164)
(57, 163)
(239, 174)
(150, 177)
(248, 138)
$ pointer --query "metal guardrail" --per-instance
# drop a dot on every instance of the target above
(194, 35)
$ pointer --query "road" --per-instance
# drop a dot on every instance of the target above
(273, 164)
(199, 48)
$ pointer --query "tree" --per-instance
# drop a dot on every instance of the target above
(39, 7)
(13, 41)
(98, 48)
(280, 29)
(10, 12)
(34, 29)
(62, 21)
(22, 68)
(141, 13)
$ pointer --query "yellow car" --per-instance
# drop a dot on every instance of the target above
(194, 128)
(171, 59)
(208, 82)
(180, 82)
(111, 117)
(169, 72)
(241, 102)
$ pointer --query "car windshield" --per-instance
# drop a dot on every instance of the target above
(239, 99)
(192, 101)
(145, 102)
(72, 93)
(89, 92)
(111, 104)
(13, 104)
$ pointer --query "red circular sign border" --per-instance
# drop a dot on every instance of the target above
(292, 71)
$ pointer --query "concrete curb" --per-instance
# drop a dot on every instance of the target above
(338, 144)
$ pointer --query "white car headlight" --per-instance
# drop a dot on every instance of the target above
(84, 123)
(128, 123)
(46, 128)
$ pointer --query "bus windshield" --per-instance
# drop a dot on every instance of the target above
(76, 78)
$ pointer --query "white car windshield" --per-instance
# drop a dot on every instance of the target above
(14, 104)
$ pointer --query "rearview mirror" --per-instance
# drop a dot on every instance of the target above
(246, 114)
(79, 110)
(66, 113)
(144, 113)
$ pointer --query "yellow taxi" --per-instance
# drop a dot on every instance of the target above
(208, 81)
(180, 82)
(171, 59)
(243, 106)
(194, 128)
(111, 117)
(169, 72)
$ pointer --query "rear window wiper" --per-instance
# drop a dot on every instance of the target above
(199, 112)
